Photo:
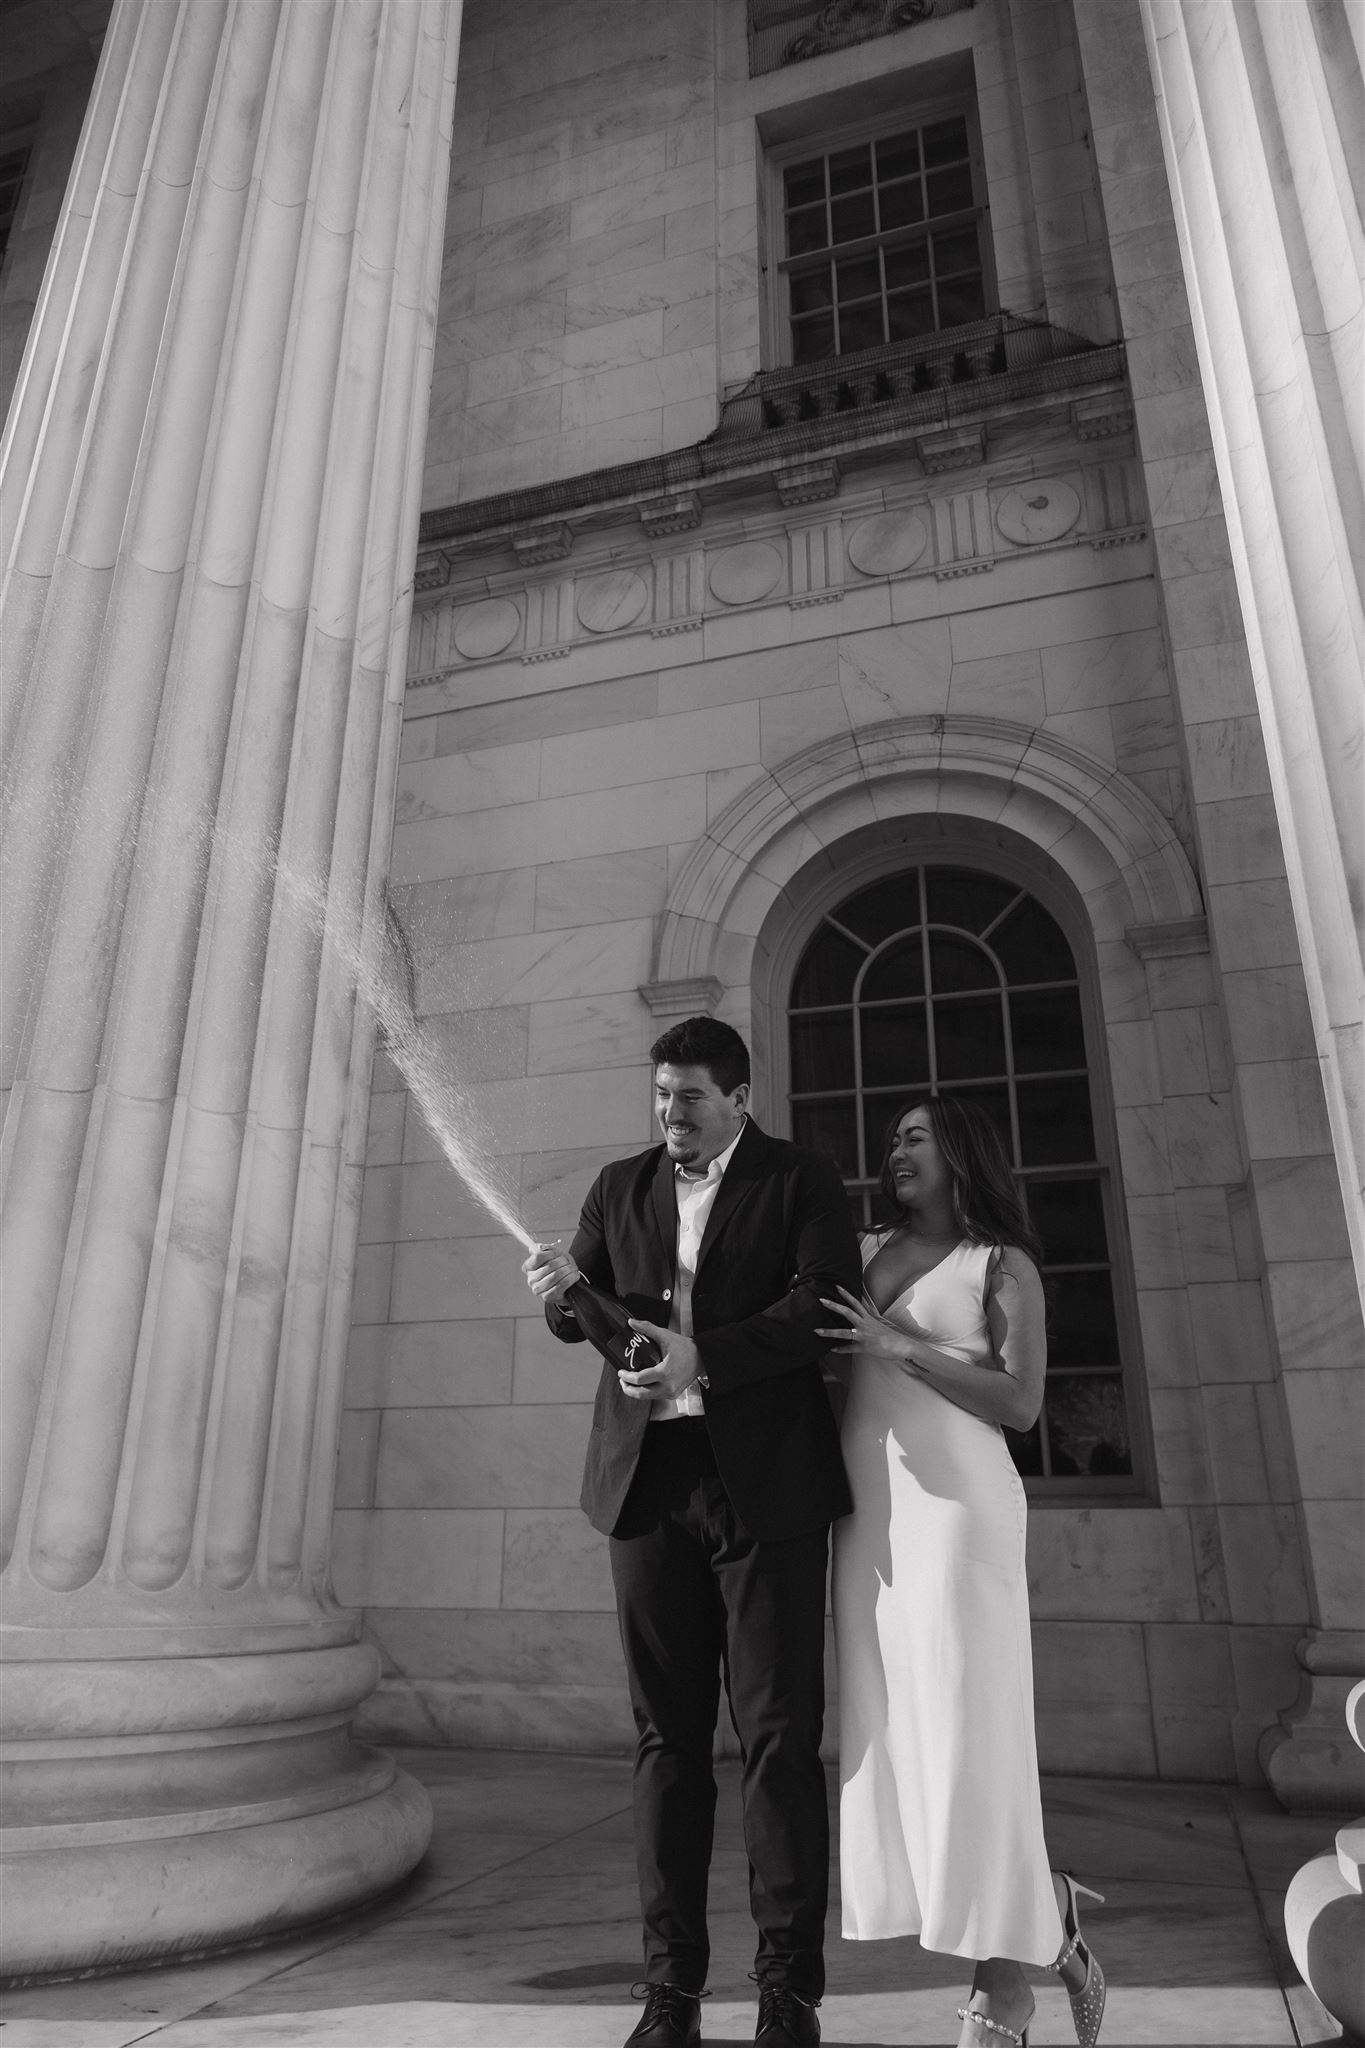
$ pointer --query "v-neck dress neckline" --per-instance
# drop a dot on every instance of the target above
(910, 1286)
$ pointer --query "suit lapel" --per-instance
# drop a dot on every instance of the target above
(664, 1197)
(745, 1166)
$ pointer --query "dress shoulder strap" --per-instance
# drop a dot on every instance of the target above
(979, 1262)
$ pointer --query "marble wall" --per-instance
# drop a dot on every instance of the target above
(605, 257)
(599, 757)
(550, 799)
(579, 304)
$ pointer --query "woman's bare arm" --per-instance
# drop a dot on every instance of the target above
(1009, 1389)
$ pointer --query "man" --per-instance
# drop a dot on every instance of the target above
(716, 1473)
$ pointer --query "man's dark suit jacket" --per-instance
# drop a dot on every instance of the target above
(779, 1236)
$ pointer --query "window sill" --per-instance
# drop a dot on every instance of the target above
(940, 379)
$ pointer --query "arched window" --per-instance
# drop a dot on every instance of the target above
(954, 978)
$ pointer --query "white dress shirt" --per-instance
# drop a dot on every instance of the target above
(696, 1194)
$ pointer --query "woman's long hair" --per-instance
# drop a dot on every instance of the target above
(987, 1206)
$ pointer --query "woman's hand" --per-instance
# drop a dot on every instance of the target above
(864, 1330)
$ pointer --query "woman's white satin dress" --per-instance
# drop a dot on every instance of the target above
(940, 1822)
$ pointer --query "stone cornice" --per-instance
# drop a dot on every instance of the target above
(758, 452)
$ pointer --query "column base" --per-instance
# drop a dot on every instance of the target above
(1310, 1761)
(1324, 1914)
(163, 1808)
(167, 1898)
(1324, 1921)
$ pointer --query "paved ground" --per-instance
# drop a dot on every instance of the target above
(519, 1931)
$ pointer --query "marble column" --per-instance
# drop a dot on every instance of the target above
(1256, 121)
(1259, 111)
(210, 491)
(1259, 121)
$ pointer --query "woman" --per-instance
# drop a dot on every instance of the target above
(941, 1828)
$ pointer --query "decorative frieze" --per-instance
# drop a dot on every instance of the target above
(888, 543)
(837, 25)
(1094, 419)
(678, 514)
(1038, 512)
(679, 590)
(432, 571)
(548, 543)
(1129, 537)
(481, 631)
(797, 562)
(610, 603)
(805, 483)
(956, 448)
(744, 574)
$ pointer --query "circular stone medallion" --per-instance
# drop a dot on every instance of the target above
(1039, 511)
(485, 629)
(743, 574)
(607, 603)
(891, 541)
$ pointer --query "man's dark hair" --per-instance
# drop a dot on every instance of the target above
(704, 1042)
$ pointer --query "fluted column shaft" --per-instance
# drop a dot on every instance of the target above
(1259, 110)
(210, 500)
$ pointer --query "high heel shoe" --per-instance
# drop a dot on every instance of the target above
(1087, 2004)
(964, 2012)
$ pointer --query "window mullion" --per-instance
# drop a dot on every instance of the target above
(1008, 911)
(930, 1028)
(887, 238)
(851, 936)
(858, 1109)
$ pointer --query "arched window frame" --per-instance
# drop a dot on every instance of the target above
(965, 843)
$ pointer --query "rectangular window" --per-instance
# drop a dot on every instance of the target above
(881, 238)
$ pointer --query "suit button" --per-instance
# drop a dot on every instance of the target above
(668, 1294)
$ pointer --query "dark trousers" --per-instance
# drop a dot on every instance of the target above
(699, 1597)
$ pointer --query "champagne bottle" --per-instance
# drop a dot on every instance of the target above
(605, 1322)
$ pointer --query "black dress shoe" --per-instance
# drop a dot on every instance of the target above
(785, 2020)
(671, 2019)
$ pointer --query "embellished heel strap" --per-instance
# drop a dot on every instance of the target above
(1067, 1953)
(980, 2019)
